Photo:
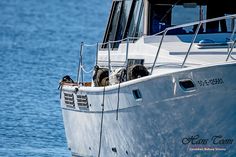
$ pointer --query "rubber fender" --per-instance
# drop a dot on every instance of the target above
(104, 81)
(100, 77)
(137, 71)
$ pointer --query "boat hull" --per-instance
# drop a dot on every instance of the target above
(163, 119)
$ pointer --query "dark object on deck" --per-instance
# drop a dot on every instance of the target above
(100, 77)
(137, 71)
(67, 79)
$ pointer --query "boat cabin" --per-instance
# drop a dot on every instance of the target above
(136, 18)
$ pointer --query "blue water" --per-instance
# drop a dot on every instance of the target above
(39, 44)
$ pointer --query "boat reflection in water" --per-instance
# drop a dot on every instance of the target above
(163, 83)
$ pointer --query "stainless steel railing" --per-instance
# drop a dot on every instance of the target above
(199, 23)
(231, 43)
(81, 70)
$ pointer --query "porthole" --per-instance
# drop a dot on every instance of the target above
(137, 94)
(187, 84)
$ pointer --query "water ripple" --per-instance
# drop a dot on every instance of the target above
(39, 43)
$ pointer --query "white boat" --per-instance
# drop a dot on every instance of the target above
(163, 83)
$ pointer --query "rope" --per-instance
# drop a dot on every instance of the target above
(116, 41)
(100, 138)
(90, 45)
(85, 71)
(78, 73)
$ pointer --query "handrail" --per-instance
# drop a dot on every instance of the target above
(80, 72)
(109, 57)
(126, 58)
(97, 49)
(158, 51)
(164, 32)
(231, 50)
(202, 21)
(199, 23)
(113, 41)
(232, 35)
(194, 38)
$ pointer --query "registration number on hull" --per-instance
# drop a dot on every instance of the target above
(211, 82)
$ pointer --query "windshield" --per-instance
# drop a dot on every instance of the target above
(130, 18)
(166, 15)
(126, 20)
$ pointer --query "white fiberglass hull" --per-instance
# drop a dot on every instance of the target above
(167, 120)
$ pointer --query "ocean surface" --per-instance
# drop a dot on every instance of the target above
(39, 44)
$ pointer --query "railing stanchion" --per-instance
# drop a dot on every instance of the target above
(232, 42)
(158, 51)
(194, 38)
(80, 72)
(231, 50)
(97, 49)
(109, 58)
(126, 57)
(234, 29)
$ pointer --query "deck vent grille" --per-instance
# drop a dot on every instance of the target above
(69, 100)
(82, 100)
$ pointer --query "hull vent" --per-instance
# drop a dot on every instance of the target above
(82, 100)
(69, 100)
(187, 84)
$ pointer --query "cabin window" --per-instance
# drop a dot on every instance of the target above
(140, 25)
(197, 12)
(164, 14)
(125, 21)
(160, 17)
(126, 18)
(134, 28)
(113, 21)
(217, 9)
